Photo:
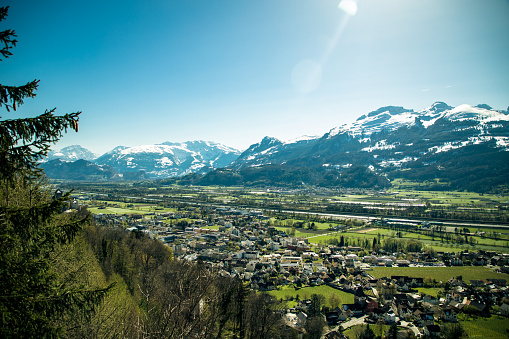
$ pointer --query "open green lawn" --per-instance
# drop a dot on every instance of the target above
(440, 273)
(493, 327)
(216, 227)
(116, 207)
(305, 293)
(115, 210)
(429, 291)
(379, 330)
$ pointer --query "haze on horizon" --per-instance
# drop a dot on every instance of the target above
(145, 72)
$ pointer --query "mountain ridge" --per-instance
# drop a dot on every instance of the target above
(383, 143)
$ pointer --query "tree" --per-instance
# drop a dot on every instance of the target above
(453, 331)
(36, 300)
(393, 332)
(317, 300)
(367, 333)
(263, 317)
(314, 327)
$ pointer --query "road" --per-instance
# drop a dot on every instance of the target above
(353, 322)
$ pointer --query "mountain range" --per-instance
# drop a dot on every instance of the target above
(465, 146)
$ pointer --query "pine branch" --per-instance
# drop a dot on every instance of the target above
(25, 141)
(3, 12)
(7, 39)
(13, 96)
(7, 36)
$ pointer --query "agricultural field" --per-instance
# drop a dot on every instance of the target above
(115, 207)
(290, 293)
(494, 327)
(429, 291)
(440, 273)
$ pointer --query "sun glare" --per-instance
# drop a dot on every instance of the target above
(348, 6)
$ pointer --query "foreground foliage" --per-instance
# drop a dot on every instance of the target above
(37, 298)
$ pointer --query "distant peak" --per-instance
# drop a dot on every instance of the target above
(484, 106)
(268, 139)
(390, 109)
(439, 107)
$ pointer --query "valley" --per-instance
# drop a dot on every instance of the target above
(400, 219)
(290, 244)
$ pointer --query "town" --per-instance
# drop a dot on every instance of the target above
(248, 245)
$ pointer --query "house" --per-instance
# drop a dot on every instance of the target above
(432, 331)
(376, 313)
(389, 317)
(403, 311)
(430, 299)
(454, 296)
(302, 318)
(356, 309)
(477, 283)
(371, 304)
(332, 318)
(498, 282)
(400, 299)
(449, 315)
(424, 318)
(360, 297)
(413, 299)
(481, 307)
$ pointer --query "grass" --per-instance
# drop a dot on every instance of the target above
(216, 227)
(429, 291)
(379, 330)
(288, 292)
(115, 210)
(440, 273)
(493, 327)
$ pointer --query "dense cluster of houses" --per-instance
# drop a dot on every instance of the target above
(245, 246)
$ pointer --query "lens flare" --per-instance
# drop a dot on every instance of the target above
(348, 6)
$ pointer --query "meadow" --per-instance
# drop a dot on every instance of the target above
(440, 273)
(493, 328)
(291, 293)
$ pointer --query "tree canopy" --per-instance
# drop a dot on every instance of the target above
(37, 298)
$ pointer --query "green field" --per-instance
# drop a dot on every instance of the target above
(440, 273)
(115, 210)
(494, 327)
(379, 330)
(429, 291)
(115, 207)
(288, 292)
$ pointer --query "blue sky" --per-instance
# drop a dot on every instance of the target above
(234, 71)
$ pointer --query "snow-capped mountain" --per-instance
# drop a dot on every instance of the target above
(438, 142)
(389, 134)
(170, 159)
(71, 153)
(467, 146)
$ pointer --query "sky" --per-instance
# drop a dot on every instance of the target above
(233, 71)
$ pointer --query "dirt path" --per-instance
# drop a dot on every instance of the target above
(367, 230)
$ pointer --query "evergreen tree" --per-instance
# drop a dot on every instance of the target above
(367, 333)
(35, 300)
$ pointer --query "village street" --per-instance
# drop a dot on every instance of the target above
(353, 322)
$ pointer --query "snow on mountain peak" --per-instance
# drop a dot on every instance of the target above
(384, 118)
(157, 149)
(301, 138)
(439, 107)
(480, 113)
(391, 110)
